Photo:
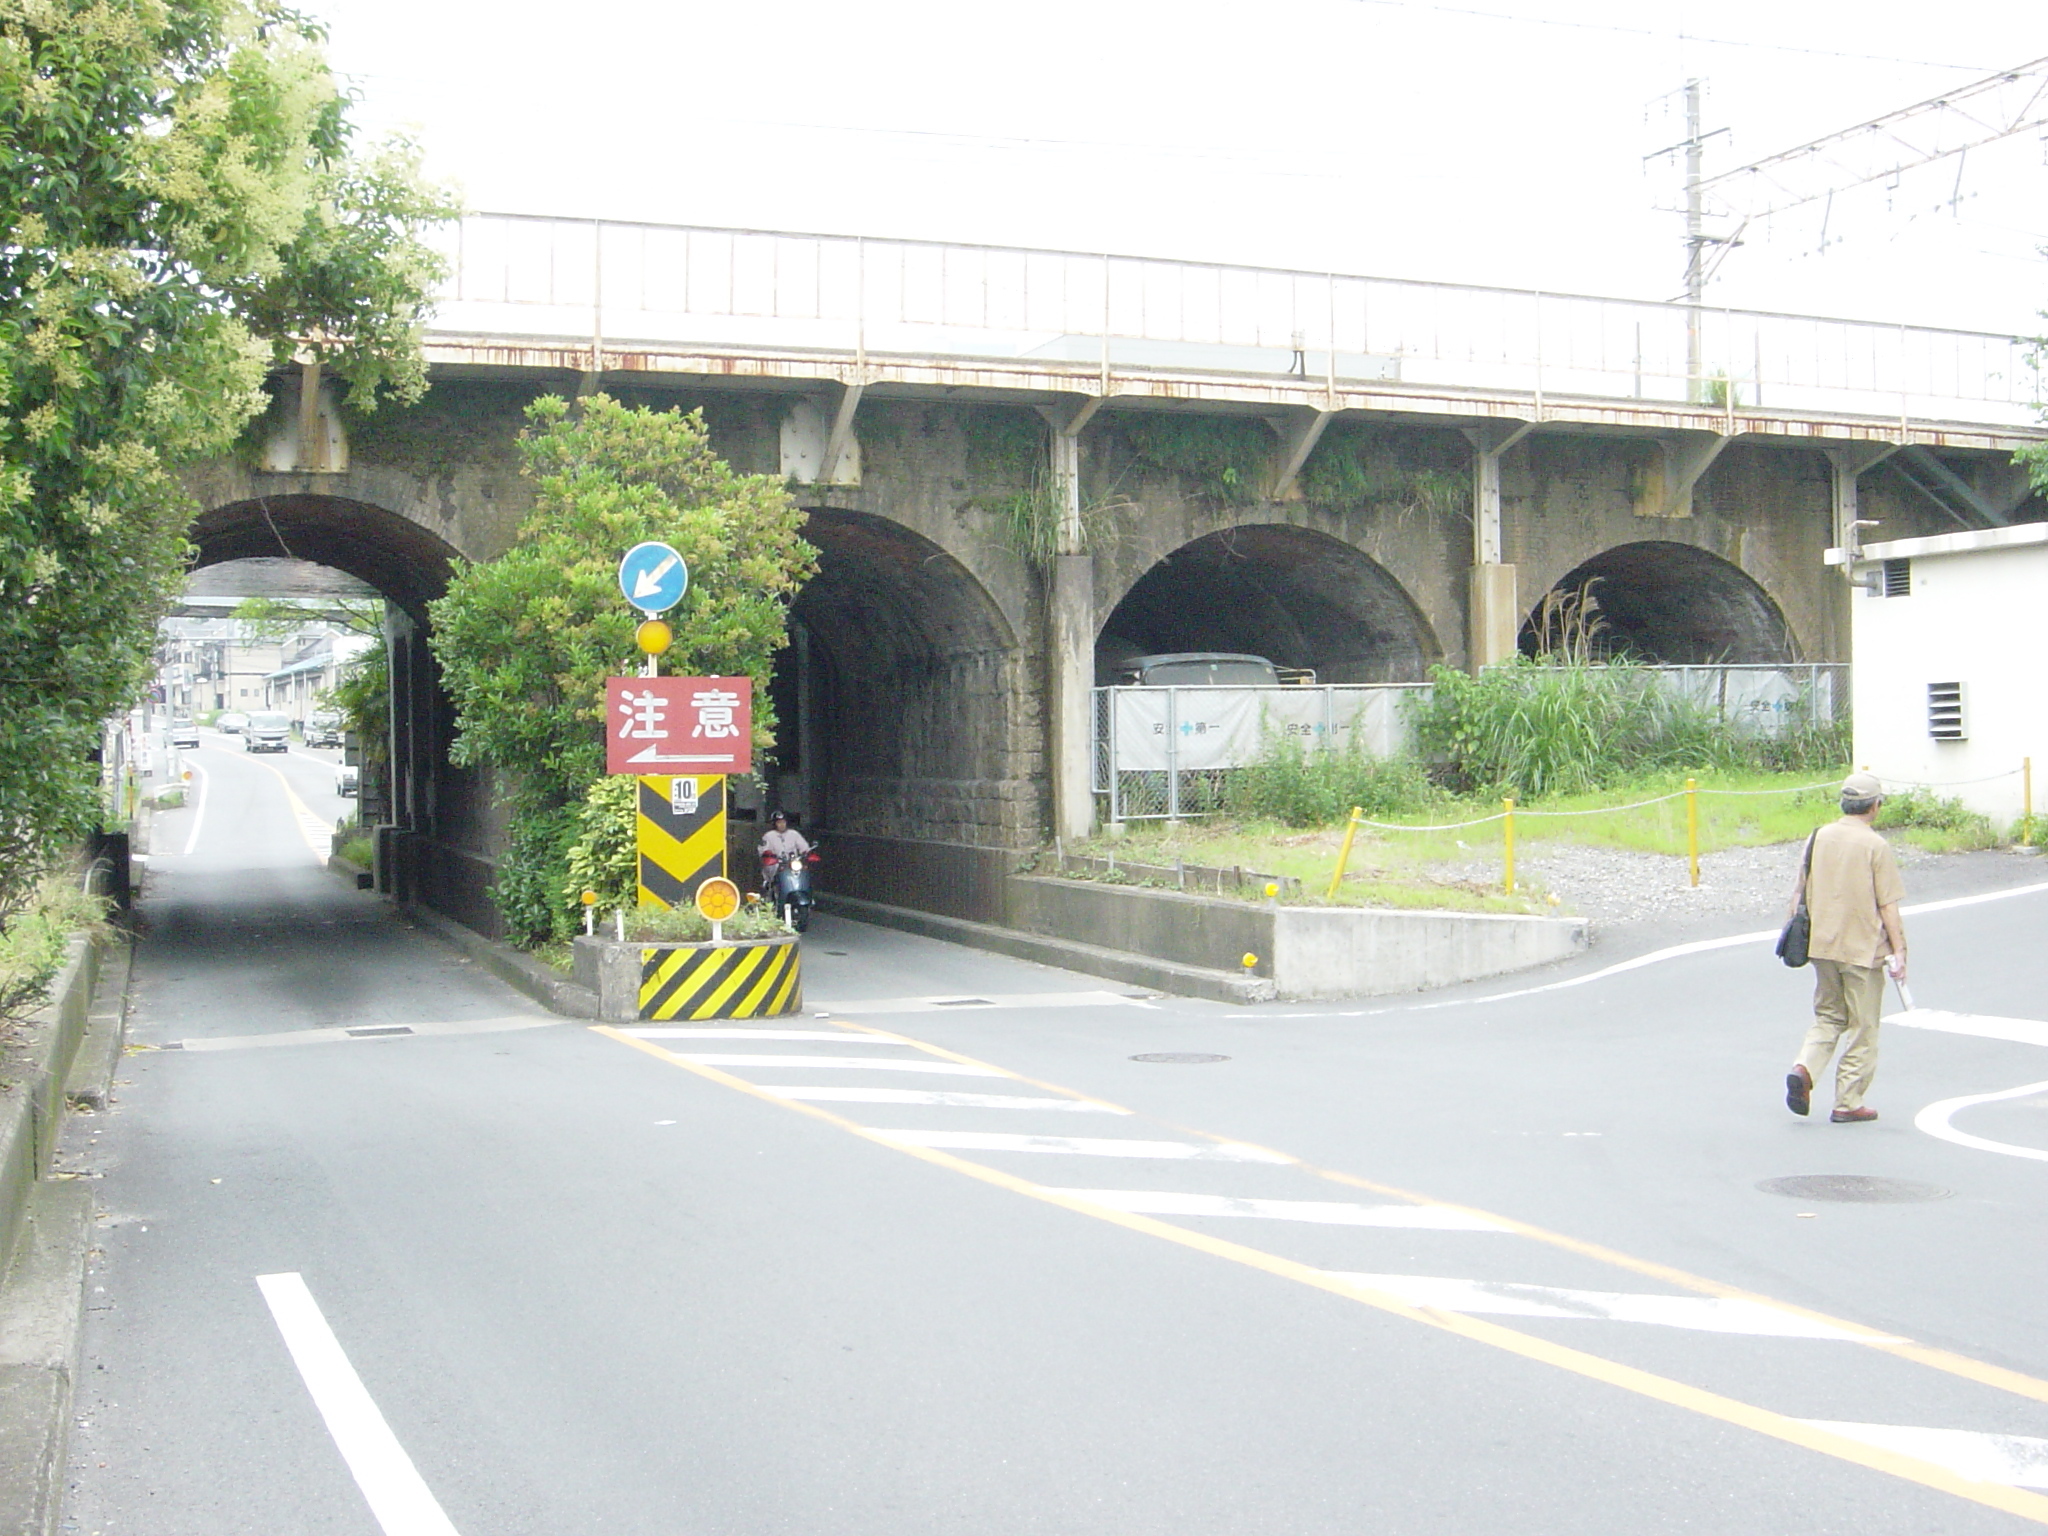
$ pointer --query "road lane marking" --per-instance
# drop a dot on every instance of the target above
(1333, 1213)
(1627, 1378)
(837, 1063)
(2021, 1460)
(1983, 1025)
(1705, 1314)
(198, 811)
(342, 1033)
(1934, 1120)
(836, 1036)
(1080, 1146)
(317, 833)
(398, 1496)
(938, 1098)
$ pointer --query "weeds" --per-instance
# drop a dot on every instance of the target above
(1298, 787)
(1936, 824)
(33, 942)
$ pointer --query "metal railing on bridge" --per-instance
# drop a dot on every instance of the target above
(626, 286)
(1166, 753)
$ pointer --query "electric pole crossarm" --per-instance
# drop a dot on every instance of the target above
(2004, 104)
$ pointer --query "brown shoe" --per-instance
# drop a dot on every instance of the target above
(1852, 1116)
(1799, 1089)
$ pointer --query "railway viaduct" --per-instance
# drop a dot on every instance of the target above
(1022, 466)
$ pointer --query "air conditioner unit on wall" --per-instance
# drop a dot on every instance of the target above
(1945, 719)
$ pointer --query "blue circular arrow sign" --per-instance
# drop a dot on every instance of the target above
(653, 577)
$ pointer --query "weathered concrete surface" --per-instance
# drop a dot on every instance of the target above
(41, 1307)
(1331, 952)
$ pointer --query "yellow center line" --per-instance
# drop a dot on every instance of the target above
(1644, 1383)
(303, 817)
(1982, 1372)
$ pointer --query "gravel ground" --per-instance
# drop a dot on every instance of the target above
(1616, 887)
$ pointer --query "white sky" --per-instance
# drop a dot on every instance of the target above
(1374, 136)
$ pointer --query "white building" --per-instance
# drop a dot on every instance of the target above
(1951, 673)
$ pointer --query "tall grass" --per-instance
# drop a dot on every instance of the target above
(1291, 784)
(1542, 727)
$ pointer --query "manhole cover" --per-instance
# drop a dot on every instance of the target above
(1852, 1187)
(1180, 1058)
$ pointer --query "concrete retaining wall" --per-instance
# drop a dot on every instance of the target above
(1328, 952)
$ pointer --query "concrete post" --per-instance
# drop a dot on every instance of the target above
(1070, 698)
(1494, 616)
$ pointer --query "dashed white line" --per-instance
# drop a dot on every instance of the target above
(838, 1063)
(939, 1099)
(1081, 1146)
(397, 1494)
(1332, 1213)
(2021, 1461)
(198, 811)
(1705, 1314)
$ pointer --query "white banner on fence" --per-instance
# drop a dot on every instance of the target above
(1201, 728)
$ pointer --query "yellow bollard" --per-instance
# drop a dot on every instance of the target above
(1508, 833)
(2027, 802)
(1692, 827)
(1344, 853)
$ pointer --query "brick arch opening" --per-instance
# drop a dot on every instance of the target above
(439, 834)
(1298, 597)
(902, 695)
(1673, 604)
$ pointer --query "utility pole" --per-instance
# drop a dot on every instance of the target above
(1695, 239)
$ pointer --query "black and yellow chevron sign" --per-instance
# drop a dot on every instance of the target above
(735, 981)
(681, 836)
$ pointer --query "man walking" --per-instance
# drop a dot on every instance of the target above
(1852, 887)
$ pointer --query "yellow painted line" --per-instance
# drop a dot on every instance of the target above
(1662, 1389)
(306, 819)
(1982, 1372)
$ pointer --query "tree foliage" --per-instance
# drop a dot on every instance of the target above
(526, 641)
(181, 209)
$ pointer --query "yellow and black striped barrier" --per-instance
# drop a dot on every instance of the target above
(680, 832)
(743, 979)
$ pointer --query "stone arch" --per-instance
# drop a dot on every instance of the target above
(441, 838)
(1676, 604)
(903, 697)
(1296, 596)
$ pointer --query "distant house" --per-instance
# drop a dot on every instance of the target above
(311, 663)
(1951, 679)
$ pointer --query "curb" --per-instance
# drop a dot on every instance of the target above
(1067, 954)
(41, 1311)
(521, 972)
(90, 1082)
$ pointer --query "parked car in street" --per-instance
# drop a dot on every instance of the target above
(323, 728)
(231, 723)
(267, 731)
(1202, 669)
(347, 779)
(183, 732)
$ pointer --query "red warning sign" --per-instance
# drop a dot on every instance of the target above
(671, 725)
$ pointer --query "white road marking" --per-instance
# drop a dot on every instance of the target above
(198, 812)
(2019, 1031)
(330, 1036)
(940, 1099)
(982, 1002)
(1333, 1213)
(2020, 1461)
(835, 1036)
(1706, 1314)
(851, 1063)
(397, 1494)
(1934, 1120)
(1082, 1146)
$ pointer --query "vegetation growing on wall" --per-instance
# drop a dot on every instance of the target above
(1225, 458)
(1357, 465)
(526, 641)
(1009, 469)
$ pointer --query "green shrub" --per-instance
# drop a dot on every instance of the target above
(605, 857)
(683, 925)
(532, 876)
(360, 851)
(1302, 788)
(33, 941)
(1954, 824)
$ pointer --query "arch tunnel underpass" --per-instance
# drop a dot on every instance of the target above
(1667, 603)
(1295, 596)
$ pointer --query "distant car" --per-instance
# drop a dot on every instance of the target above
(1203, 669)
(183, 732)
(267, 731)
(323, 729)
(233, 723)
(347, 779)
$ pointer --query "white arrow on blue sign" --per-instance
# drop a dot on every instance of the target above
(653, 577)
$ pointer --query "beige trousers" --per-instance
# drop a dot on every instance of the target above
(1846, 1003)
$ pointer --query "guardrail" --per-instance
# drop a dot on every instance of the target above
(604, 284)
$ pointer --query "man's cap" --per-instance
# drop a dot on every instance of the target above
(1862, 786)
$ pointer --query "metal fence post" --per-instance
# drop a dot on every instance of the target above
(1173, 754)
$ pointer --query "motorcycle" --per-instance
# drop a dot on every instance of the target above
(791, 882)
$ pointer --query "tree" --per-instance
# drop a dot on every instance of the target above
(181, 211)
(526, 641)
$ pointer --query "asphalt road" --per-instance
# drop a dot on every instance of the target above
(1470, 1263)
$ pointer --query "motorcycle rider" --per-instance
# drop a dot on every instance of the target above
(779, 842)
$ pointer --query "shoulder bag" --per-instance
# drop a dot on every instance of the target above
(1799, 926)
